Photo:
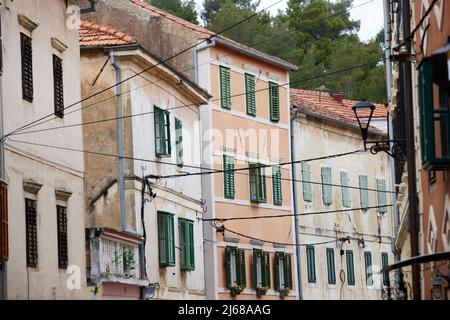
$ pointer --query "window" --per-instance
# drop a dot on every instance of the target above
(162, 132)
(3, 221)
(350, 268)
(261, 269)
(381, 195)
(283, 271)
(187, 249)
(307, 186)
(274, 93)
(225, 87)
(235, 267)
(346, 202)
(228, 177)
(63, 256)
(363, 192)
(250, 94)
(257, 183)
(119, 259)
(166, 240)
(368, 267)
(434, 119)
(384, 264)
(179, 141)
(327, 189)
(31, 233)
(331, 266)
(276, 185)
(58, 87)
(311, 264)
(27, 67)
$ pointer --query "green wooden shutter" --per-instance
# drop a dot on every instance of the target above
(242, 275)
(227, 266)
(306, 177)
(274, 92)
(191, 247)
(160, 137)
(363, 192)
(225, 87)
(277, 271)
(368, 267)
(162, 240)
(250, 94)
(384, 264)
(253, 179)
(327, 190)
(179, 141)
(311, 264)
(166, 240)
(228, 167)
(350, 268)
(288, 271)
(276, 185)
(266, 269)
(255, 269)
(331, 266)
(171, 239)
(183, 244)
(381, 195)
(346, 202)
(168, 146)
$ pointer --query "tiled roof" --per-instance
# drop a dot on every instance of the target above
(324, 104)
(157, 12)
(92, 34)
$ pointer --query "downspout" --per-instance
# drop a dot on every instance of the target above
(294, 199)
(197, 50)
(116, 66)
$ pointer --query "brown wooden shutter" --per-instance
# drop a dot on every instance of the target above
(63, 257)
(4, 253)
(27, 67)
(31, 229)
(58, 86)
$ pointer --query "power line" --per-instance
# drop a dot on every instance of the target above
(147, 69)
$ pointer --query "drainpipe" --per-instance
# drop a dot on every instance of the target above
(118, 69)
(93, 7)
(2, 153)
(294, 199)
(197, 50)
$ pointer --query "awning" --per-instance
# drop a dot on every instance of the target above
(418, 260)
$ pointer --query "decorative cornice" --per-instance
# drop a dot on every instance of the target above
(27, 23)
(31, 187)
(257, 242)
(273, 76)
(279, 246)
(231, 240)
(58, 45)
(62, 195)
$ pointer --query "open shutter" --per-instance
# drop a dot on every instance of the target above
(306, 177)
(262, 195)
(363, 192)
(183, 248)
(4, 247)
(277, 271)
(253, 177)
(266, 269)
(274, 92)
(288, 271)
(168, 146)
(191, 248)
(326, 186)
(345, 190)
(27, 67)
(228, 267)
(179, 140)
(381, 195)
(228, 167)
(159, 131)
(276, 185)
(242, 276)
(250, 94)
(225, 88)
(58, 87)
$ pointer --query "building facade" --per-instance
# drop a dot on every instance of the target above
(354, 240)
(144, 234)
(43, 212)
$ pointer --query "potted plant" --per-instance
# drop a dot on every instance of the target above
(237, 289)
(284, 292)
(128, 261)
(260, 291)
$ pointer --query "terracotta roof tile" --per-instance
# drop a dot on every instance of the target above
(157, 12)
(93, 34)
(324, 104)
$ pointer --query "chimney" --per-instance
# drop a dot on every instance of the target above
(338, 96)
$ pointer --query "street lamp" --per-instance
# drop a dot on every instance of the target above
(364, 111)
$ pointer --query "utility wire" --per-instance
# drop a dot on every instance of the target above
(149, 68)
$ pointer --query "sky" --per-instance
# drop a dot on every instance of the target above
(370, 15)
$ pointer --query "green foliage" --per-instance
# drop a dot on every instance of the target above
(184, 9)
(210, 7)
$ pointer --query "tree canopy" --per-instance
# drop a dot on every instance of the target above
(184, 9)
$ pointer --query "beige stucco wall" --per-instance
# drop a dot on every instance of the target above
(54, 169)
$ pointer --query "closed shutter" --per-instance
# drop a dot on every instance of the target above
(288, 271)
(179, 141)
(63, 256)
(350, 268)
(345, 190)
(311, 264)
(306, 177)
(191, 247)
(171, 239)
(183, 244)
(166, 240)
(27, 67)
(250, 94)
(31, 233)
(228, 268)
(384, 264)
(58, 86)
(225, 88)
(276, 185)
(331, 266)
(368, 268)
(327, 189)
(228, 167)
(277, 271)
(381, 195)
(274, 92)
(4, 247)
(266, 269)
(363, 191)
(242, 275)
